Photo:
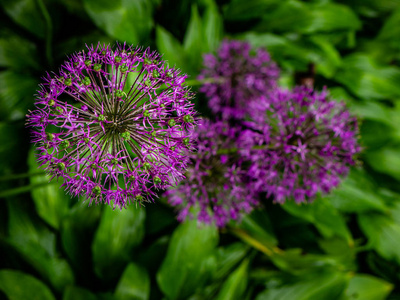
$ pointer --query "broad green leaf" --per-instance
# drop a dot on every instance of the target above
(383, 233)
(170, 47)
(288, 16)
(367, 287)
(373, 8)
(16, 94)
(27, 14)
(296, 262)
(77, 231)
(308, 18)
(323, 216)
(243, 10)
(367, 79)
(228, 257)
(125, 20)
(341, 250)
(295, 54)
(235, 286)
(78, 293)
(18, 53)
(189, 261)
(213, 27)
(328, 286)
(117, 235)
(390, 31)
(134, 284)
(51, 202)
(357, 194)
(385, 160)
(37, 245)
(386, 46)
(193, 42)
(20, 286)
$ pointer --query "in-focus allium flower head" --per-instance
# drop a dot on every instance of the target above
(114, 124)
(300, 142)
(216, 186)
(235, 76)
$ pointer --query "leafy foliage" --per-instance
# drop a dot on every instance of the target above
(343, 246)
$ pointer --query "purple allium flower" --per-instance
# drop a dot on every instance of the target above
(237, 75)
(300, 142)
(216, 186)
(114, 124)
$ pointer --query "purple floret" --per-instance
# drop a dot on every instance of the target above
(236, 75)
(216, 189)
(299, 143)
(114, 124)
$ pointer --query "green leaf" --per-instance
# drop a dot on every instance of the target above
(296, 262)
(357, 194)
(118, 233)
(367, 79)
(309, 18)
(170, 47)
(18, 53)
(383, 234)
(20, 286)
(78, 293)
(125, 20)
(367, 287)
(228, 257)
(37, 244)
(189, 260)
(385, 160)
(16, 94)
(51, 202)
(134, 284)
(238, 10)
(327, 286)
(323, 216)
(77, 231)
(26, 13)
(194, 40)
(296, 53)
(213, 28)
(235, 286)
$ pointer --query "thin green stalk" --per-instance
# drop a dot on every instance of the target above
(193, 82)
(24, 175)
(23, 189)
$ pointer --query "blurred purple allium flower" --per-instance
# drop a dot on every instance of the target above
(237, 75)
(216, 186)
(300, 143)
(114, 124)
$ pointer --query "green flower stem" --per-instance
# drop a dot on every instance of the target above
(49, 31)
(18, 176)
(194, 82)
(23, 189)
(268, 250)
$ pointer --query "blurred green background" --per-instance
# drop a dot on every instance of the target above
(343, 246)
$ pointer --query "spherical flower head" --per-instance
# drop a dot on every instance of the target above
(114, 124)
(299, 142)
(236, 75)
(216, 185)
